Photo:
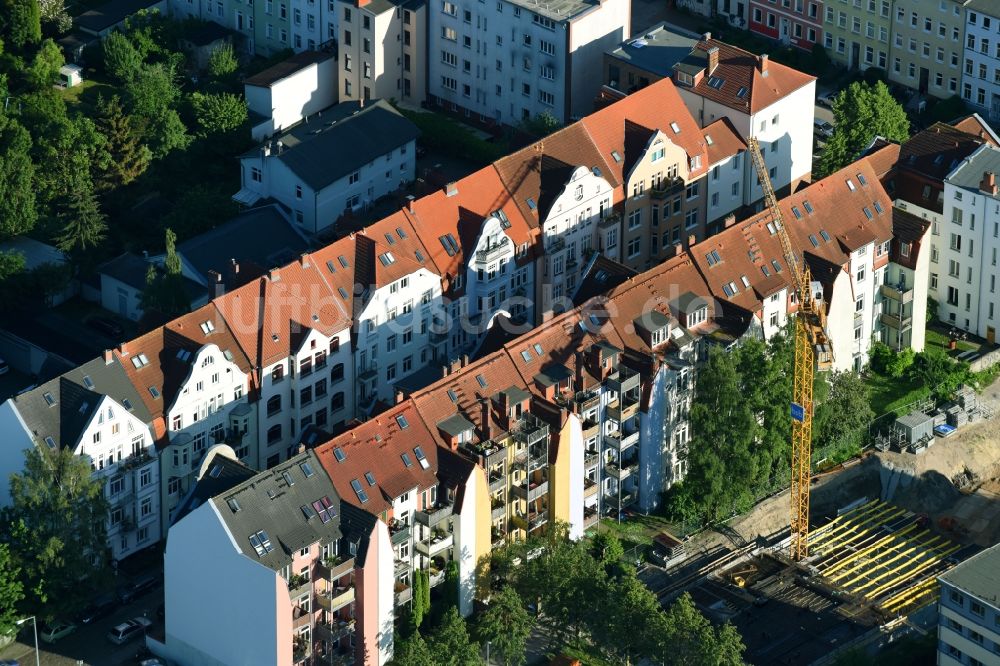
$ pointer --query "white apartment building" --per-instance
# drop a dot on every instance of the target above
(96, 412)
(284, 94)
(981, 72)
(967, 247)
(376, 152)
(382, 46)
(763, 99)
(509, 61)
(968, 630)
(295, 329)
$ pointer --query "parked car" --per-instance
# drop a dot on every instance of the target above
(826, 98)
(9, 662)
(108, 327)
(138, 587)
(98, 608)
(4, 368)
(50, 633)
(823, 128)
(129, 630)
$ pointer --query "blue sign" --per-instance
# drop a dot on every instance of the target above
(798, 412)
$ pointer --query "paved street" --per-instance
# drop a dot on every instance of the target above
(88, 644)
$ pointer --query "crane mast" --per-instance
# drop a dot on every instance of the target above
(807, 323)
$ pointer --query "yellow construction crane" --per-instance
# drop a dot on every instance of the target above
(808, 335)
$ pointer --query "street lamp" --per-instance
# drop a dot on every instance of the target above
(34, 625)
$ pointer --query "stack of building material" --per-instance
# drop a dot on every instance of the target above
(957, 416)
(966, 397)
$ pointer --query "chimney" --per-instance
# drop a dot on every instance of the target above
(301, 448)
(400, 397)
(692, 239)
(487, 418)
(730, 220)
(122, 349)
(109, 357)
(989, 183)
(304, 259)
(451, 189)
(273, 275)
(216, 287)
(713, 59)
(763, 64)
(409, 202)
(707, 36)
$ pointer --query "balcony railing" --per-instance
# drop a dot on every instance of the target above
(619, 442)
(590, 516)
(491, 252)
(431, 516)
(590, 459)
(590, 488)
(300, 617)
(898, 292)
(897, 322)
(399, 533)
(537, 519)
(438, 543)
(622, 412)
(618, 472)
(334, 567)
(498, 510)
(533, 492)
(498, 480)
(334, 632)
(298, 585)
(336, 598)
(586, 399)
(369, 371)
(667, 187)
(403, 593)
(609, 220)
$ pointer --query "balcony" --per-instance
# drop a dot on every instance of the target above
(403, 593)
(399, 533)
(610, 220)
(590, 459)
(666, 188)
(590, 488)
(590, 516)
(898, 292)
(369, 372)
(335, 598)
(531, 493)
(622, 412)
(619, 442)
(619, 501)
(493, 251)
(621, 473)
(298, 585)
(555, 245)
(498, 481)
(431, 516)
(300, 617)
(334, 632)
(623, 381)
(586, 400)
(334, 567)
(498, 509)
(895, 321)
(537, 519)
(438, 543)
(590, 427)
(497, 537)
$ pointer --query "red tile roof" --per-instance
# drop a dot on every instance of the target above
(978, 127)
(656, 106)
(272, 315)
(739, 69)
(722, 140)
(163, 369)
(376, 447)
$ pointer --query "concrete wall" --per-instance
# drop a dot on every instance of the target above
(203, 567)
(598, 30)
(289, 100)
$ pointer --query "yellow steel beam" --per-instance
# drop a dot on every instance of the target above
(864, 551)
(853, 517)
(910, 574)
(875, 518)
(911, 595)
(867, 529)
(915, 562)
(844, 516)
(878, 562)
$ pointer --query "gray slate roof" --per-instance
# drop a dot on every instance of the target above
(342, 140)
(969, 173)
(979, 575)
(260, 237)
(74, 403)
(221, 475)
(281, 518)
(130, 269)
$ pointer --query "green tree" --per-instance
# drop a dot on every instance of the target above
(222, 62)
(688, 638)
(165, 289)
(541, 125)
(452, 584)
(631, 620)
(21, 22)
(84, 225)
(11, 263)
(152, 91)
(129, 157)
(862, 112)
(17, 174)
(413, 651)
(451, 645)
(218, 113)
(937, 371)
(841, 421)
(506, 625)
(11, 591)
(417, 609)
(121, 59)
(56, 527)
(53, 13)
(607, 549)
(44, 68)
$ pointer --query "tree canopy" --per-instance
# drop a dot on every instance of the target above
(506, 625)
(56, 526)
(862, 111)
(17, 173)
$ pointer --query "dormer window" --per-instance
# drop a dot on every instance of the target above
(684, 78)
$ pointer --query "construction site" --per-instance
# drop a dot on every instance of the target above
(882, 530)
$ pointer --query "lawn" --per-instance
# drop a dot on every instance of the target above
(85, 95)
(889, 394)
(938, 338)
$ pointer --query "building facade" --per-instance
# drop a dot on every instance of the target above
(798, 23)
(926, 52)
(857, 36)
(981, 73)
(969, 612)
(508, 62)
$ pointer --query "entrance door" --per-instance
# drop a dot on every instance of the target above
(991, 335)
(855, 55)
(784, 30)
(924, 80)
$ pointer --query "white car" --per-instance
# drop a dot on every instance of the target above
(129, 629)
(826, 99)
(50, 633)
